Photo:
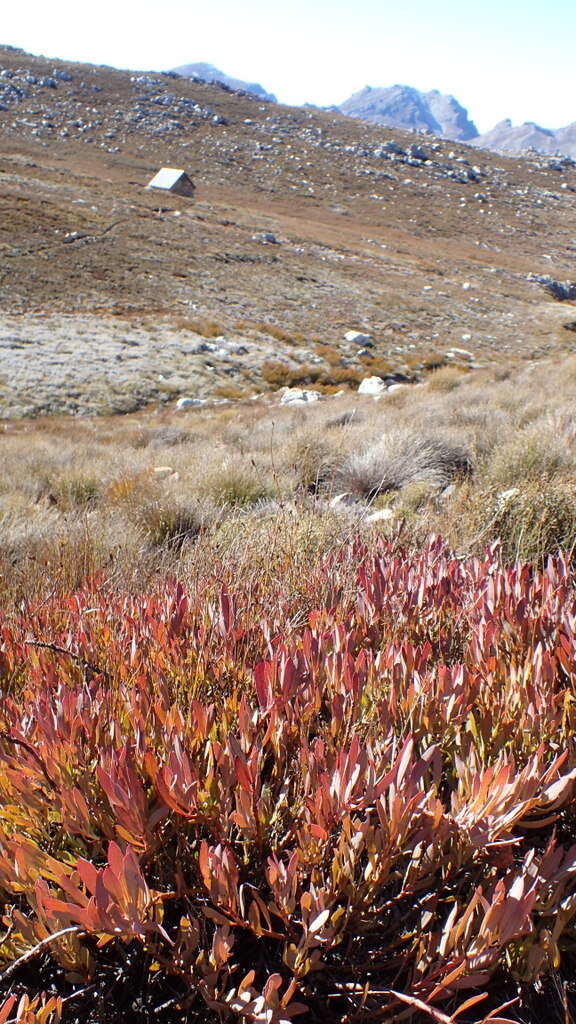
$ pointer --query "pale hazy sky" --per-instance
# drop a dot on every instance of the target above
(499, 58)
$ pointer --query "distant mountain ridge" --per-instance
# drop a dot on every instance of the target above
(405, 107)
(210, 73)
(508, 138)
(402, 106)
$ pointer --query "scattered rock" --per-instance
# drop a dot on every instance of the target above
(152, 108)
(416, 152)
(236, 348)
(564, 291)
(391, 147)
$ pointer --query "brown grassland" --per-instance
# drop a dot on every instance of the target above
(471, 456)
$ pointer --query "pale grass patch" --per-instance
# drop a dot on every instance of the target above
(82, 497)
(537, 453)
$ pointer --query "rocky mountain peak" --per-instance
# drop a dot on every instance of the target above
(209, 73)
(507, 137)
(451, 116)
(403, 106)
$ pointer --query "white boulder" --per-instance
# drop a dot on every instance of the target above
(381, 515)
(187, 403)
(340, 499)
(503, 498)
(371, 386)
(358, 338)
(298, 396)
(463, 352)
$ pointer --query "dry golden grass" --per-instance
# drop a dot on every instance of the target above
(281, 374)
(446, 378)
(426, 361)
(132, 497)
(276, 332)
(203, 326)
(278, 373)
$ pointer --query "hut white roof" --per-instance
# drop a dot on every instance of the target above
(172, 179)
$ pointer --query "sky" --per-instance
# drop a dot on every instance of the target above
(499, 58)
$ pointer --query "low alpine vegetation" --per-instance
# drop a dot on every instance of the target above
(233, 803)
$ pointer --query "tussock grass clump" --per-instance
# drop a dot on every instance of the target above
(340, 376)
(315, 462)
(236, 483)
(446, 378)
(401, 458)
(76, 491)
(162, 437)
(231, 392)
(426, 361)
(536, 453)
(344, 419)
(168, 522)
(281, 374)
(534, 521)
(273, 331)
(331, 354)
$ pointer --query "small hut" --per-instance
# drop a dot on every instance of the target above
(172, 179)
